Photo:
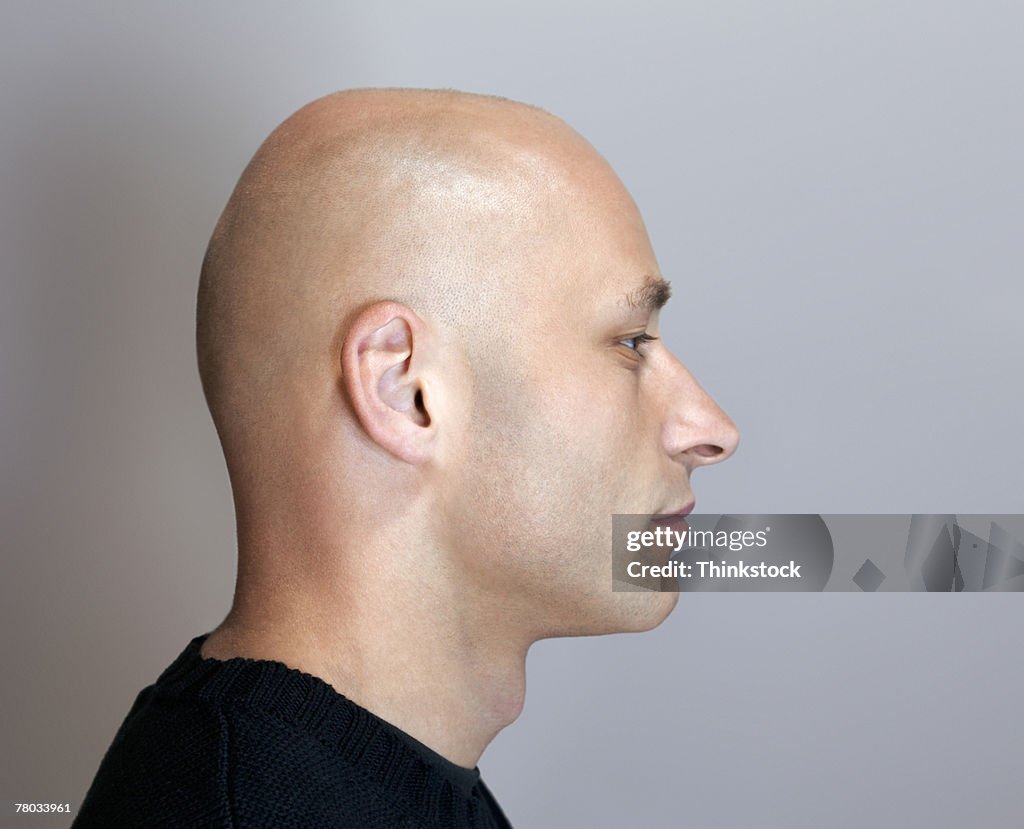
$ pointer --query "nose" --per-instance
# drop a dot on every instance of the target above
(696, 430)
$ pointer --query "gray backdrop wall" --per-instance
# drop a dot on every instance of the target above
(835, 190)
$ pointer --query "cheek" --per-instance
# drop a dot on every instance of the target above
(562, 459)
(600, 431)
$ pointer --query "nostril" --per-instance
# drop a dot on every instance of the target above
(708, 450)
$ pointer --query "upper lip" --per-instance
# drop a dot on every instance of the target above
(684, 510)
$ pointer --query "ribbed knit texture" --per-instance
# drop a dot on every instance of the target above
(253, 743)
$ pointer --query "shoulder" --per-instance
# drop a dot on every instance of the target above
(279, 774)
(164, 767)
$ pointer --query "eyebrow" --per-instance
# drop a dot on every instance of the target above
(650, 296)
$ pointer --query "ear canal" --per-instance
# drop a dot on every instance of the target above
(418, 402)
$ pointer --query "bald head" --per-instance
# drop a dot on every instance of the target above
(432, 199)
(426, 329)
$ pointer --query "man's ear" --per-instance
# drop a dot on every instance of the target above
(382, 362)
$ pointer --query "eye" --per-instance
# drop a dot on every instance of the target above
(633, 343)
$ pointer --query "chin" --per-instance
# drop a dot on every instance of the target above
(649, 611)
(629, 612)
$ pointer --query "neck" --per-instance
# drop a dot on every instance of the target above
(408, 647)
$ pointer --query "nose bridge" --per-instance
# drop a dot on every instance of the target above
(694, 423)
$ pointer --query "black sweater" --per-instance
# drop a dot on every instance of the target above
(250, 743)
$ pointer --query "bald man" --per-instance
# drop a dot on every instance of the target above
(427, 331)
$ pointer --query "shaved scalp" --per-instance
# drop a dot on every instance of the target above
(434, 199)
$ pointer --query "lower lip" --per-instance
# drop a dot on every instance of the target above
(673, 522)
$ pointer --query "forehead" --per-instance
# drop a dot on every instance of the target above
(603, 263)
(562, 240)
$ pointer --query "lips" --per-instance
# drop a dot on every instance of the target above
(675, 519)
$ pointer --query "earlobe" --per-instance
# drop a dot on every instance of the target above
(383, 359)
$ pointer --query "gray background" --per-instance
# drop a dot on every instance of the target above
(834, 190)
